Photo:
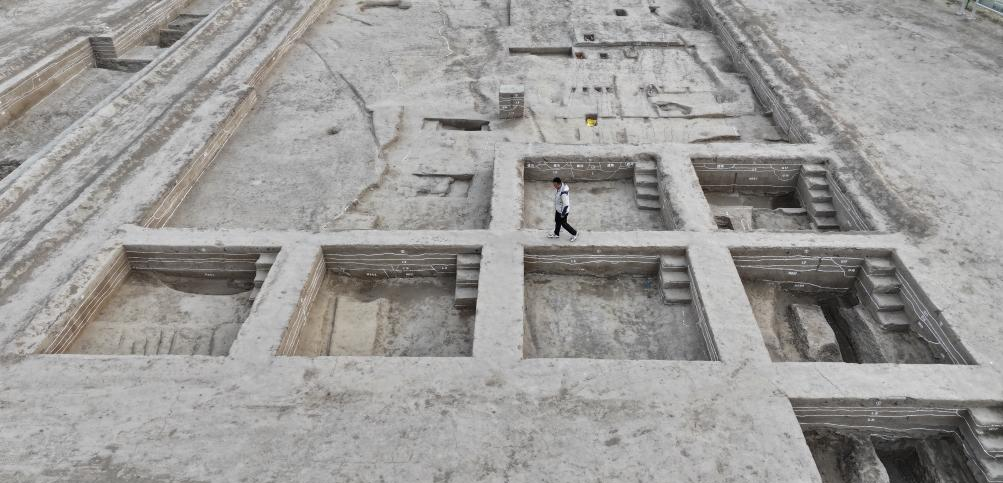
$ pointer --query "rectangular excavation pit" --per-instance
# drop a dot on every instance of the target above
(860, 306)
(893, 444)
(776, 194)
(165, 300)
(402, 302)
(453, 124)
(541, 51)
(607, 193)
(611, 305)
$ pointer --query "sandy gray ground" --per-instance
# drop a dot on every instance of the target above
(420, 320)
(898, 105)
(147, 316)
(596, 205)
(304, 159)
(30, 30)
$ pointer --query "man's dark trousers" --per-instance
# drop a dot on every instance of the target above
(562, 220)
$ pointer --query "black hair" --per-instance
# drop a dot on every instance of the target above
(557, 180)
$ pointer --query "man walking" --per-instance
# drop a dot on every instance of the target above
(562, 207)
(963, 11)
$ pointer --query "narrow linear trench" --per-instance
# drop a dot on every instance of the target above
(833, 315)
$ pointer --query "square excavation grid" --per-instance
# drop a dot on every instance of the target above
(376, 175)
(165, 300)
(614, 306)
(387, 302)
(896, 444)
(756, 194)
(607, 193)
(844, 306)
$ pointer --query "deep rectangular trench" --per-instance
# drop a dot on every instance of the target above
(852, 456)
(895, 442)
(394, 302)
(456, 124)
(844, 306)
(778, 195)
(613, 306)
(150, 300)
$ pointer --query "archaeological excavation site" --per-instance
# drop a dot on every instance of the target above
(315, 241)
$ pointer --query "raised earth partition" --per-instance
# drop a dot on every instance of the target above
(402, 327)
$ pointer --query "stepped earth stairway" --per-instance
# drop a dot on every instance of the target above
(647, 193)
(674, 279)
(468, 269)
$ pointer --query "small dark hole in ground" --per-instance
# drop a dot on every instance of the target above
(840, 328)
(903, 465)
(464, 125)
(789, 200)
(7, 166)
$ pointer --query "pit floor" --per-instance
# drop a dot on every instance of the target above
(149, 315)
(621, 317)
(595, 206)
(177, 419)
(421, 320)
(900, 457)
(771, 306)
(765, 213)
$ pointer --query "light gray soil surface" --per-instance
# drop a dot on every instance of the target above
(420, 320)
(595, 206)
(341, 147)
(608, 318)
(147, 316)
